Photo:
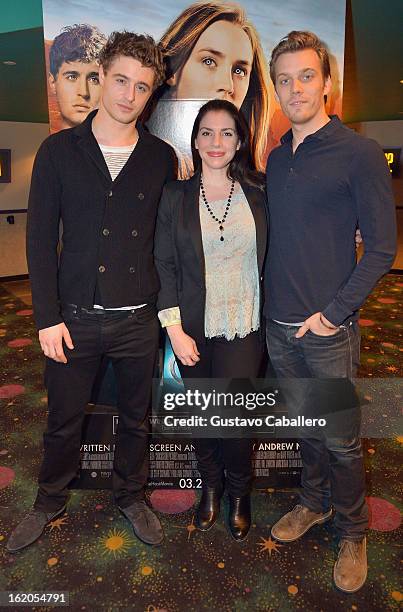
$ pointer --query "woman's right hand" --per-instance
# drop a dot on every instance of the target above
(184, 346)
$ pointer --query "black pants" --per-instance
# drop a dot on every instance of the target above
(130, 340)
(221, 358)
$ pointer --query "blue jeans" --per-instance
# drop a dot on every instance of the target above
(333, 469)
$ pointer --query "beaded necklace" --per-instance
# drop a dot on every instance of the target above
(219, 221)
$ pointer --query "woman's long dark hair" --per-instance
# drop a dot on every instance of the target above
(242, 167)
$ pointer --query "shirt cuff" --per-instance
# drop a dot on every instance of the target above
(170, 316)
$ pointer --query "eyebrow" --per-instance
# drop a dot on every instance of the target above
(77, 73)
(123, 76)
(222, 129)
(221, 55)
(287, 74)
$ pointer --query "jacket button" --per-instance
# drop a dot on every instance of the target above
(105, 231)
(134, 233)
(131, 270)
(102, 269)
(110, 193)
(141, 196)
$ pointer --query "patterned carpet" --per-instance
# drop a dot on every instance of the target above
(91, 552)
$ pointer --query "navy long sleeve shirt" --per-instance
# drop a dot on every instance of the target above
(335, 182)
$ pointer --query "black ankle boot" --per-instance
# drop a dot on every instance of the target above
(208, 509)
(239, 518)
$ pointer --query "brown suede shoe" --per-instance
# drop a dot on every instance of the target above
(30, 528)
(294, 524)
(350, 570)
(145, 523)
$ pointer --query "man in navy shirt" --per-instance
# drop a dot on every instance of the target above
(323, 182)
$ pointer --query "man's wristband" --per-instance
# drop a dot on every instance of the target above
(325, 324)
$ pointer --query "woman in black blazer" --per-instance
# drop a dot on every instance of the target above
(210, 246)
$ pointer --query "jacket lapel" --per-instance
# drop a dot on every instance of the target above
(141, 150)
(191, 216)
(88, 143)
(256, 201)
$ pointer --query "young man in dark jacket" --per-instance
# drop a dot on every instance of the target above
(323, 182)
(103, 180)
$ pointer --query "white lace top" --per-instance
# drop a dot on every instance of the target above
(232, 276)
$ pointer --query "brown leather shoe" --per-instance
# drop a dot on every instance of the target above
(294, 524)
(350, 570)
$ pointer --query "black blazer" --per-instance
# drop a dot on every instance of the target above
(178, 253)
(108, 226)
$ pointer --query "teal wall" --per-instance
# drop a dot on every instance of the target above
(21, 15)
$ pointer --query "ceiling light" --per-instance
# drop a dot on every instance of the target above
(9, 63)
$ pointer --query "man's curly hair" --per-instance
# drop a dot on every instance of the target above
(76, 43)
(141, 47)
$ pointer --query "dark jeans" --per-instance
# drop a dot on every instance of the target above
(333, 469)
(221, 358)
(130, 340)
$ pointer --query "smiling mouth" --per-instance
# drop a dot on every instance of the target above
(82, 107)
(215, 154)
(297, 103)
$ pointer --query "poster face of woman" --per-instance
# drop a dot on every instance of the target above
(214, 49)
(219, 66)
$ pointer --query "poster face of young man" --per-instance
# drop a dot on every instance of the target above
(73, 74)
(77, 90)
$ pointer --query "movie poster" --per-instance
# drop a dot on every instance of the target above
(239, 38)
(217, 49)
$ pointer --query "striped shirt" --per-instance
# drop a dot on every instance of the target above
(116, 157)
